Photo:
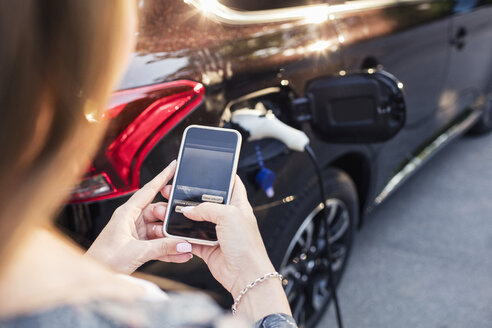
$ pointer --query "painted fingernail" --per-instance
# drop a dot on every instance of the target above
(187, 208)
(183, 247)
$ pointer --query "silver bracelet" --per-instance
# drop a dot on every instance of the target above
(251, 285)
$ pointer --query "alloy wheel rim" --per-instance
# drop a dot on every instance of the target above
(305, 264)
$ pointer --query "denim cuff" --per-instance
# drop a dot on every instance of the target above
(276, 320)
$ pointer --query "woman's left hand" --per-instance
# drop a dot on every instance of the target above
(134, 234)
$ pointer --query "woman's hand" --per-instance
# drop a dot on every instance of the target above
(134, 234)
(241, 256)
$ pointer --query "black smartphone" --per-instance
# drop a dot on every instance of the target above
(205, 172)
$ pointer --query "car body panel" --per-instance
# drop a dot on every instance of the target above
(469, 77)
(409, 40)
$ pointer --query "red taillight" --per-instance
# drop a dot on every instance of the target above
(139, 118)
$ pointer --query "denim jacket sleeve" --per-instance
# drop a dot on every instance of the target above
(277, 320)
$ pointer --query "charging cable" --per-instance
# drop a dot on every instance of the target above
(262, 123)
(329, 255)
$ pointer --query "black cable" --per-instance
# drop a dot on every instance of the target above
(333, 290)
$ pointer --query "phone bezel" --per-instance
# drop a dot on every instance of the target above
(178, 164)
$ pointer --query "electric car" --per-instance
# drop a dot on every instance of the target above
(377, 85)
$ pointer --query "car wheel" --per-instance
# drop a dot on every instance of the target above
(484, 124)
(298, 243)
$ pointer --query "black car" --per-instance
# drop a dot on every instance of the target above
(378, 85)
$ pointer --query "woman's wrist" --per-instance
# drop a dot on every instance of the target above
(255, 269)
(253, 284)
(264, 299)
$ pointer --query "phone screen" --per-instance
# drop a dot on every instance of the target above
(204, 174)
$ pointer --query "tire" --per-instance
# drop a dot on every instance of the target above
(296, 242)
(484, 124)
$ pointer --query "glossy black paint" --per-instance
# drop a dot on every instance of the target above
(415, 41)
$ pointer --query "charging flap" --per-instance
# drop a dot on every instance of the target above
(357, 108)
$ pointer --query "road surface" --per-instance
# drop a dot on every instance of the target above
(424, 257)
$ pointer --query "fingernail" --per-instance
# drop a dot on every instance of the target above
(191, 256)
(187, 208)
(183, 247)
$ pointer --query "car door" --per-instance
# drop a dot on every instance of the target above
(470, 68)
(409, 39)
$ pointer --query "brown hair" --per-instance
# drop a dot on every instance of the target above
(59, 61)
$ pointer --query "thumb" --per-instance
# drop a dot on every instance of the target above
(157, 248)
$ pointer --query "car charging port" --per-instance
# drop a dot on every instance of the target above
(363, 107)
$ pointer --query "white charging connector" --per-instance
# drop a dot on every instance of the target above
(262, 123)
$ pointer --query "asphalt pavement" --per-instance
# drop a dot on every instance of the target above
(424, 257)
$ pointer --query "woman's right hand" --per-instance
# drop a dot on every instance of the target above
(240, 257)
